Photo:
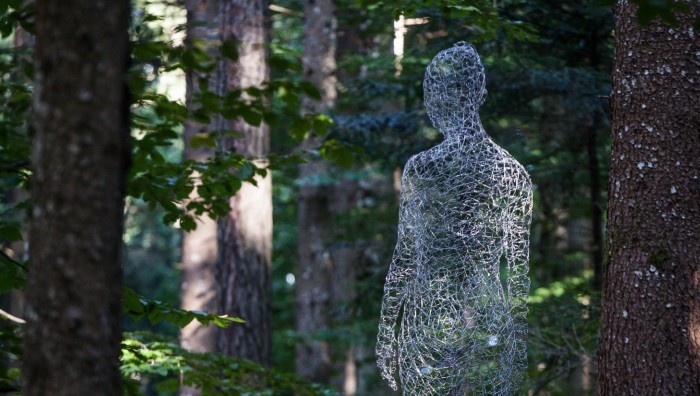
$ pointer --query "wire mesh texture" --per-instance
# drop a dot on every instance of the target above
(458, 282)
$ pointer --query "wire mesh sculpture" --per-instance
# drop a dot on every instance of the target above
(459, 272)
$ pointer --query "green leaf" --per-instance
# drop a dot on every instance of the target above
(251, 116)
(10, 233)
(188, 223)
(156, 316)
(145, 51)
(310, 90)
(245, 172)
(131, 302)
(283, 64)
(204, 139)
(229, 49)
(299, 129)
(337, 152)
(137, 306)
(170, 218)
(270, 118)
(645, 14)
(320, 127)
(12, 275)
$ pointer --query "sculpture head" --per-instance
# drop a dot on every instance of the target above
(454, 87)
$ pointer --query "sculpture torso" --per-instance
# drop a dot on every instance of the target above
(456, 312)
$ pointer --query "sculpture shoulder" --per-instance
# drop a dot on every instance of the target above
(514, 170)
(425, 157)
(519, 171)
(419, 164)
(459, 161)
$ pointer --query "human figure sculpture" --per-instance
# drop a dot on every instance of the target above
(459, 272)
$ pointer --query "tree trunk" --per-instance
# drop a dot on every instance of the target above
(345, 257)
(80, 159)
(313, 356)
(650, 326)
(594, 198)
(596, 214)
(199, 247)
(245, 235)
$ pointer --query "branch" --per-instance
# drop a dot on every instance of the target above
(11, 318)
(13, 261)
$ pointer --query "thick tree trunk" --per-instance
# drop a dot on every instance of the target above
(245, 235)
(80, 158)
(650, 328)
(199, 247)
(313, 356)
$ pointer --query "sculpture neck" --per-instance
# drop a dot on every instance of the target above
(471, 129)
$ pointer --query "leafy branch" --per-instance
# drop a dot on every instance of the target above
(172, 367)
(140, 307)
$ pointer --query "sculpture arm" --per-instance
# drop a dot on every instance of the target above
(400, 273)
(517, 239)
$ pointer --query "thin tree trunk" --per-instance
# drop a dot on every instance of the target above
(345, 256)
(199, 247)
(313, 356)
(80, 158)
(650, 326)
(198, 287)
(594, 172)
(245, 235)
(595, 198)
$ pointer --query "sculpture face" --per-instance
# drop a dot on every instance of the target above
(454, 88)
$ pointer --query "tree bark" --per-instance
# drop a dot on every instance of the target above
(245, 235)
(80, 158)
(314, 268)
(650, 325)
(199, 247)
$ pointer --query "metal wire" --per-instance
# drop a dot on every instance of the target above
(458, 280)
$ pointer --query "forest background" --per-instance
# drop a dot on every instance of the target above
(548, 67)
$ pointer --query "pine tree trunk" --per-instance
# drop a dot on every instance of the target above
(245, 235)
(313, 356)
(650, 326)
(80, 159)
(199, 247)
